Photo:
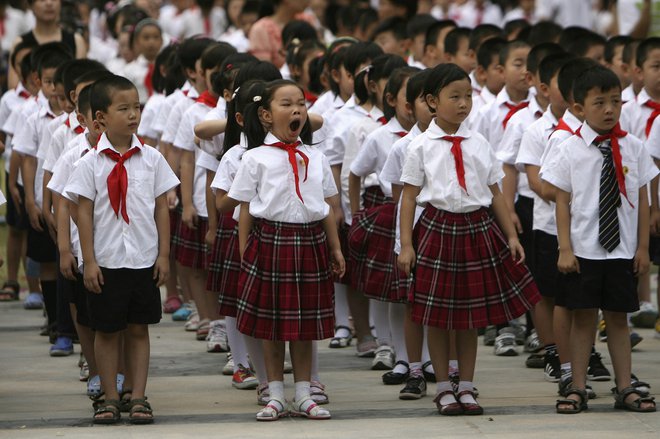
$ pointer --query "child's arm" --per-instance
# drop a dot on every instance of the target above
(509, 187)
(567, 262)
(28, 170)
(92, 276)
(338, 263)
(14, 166)
(162, 217)
(641, 262)
(49, 200)
(338, 212)
(407, 256)
(315, 120)
(655, 210)
(223, 203)
(245, 221)
(208, 129)
(173, 159)
(503, 218)
(68, 265)
(212, 213)
(535, 182)
(354, 188)
(396, 192)
(189, 216)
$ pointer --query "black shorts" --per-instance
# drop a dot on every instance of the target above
(128, 296)
(40, 246)
(654, 250)
(525, 211)
(75, 293)
(546, 274)
(16, 215)
(608, 284)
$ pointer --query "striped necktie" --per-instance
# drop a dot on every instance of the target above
(609, 201)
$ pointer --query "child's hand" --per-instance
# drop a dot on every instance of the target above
(641, 262)
(516, 222)
(93, 277)
(68, 266)
(406, 259)
(567, 262)
(517, 251)
(172, 199)
(49, 219)
(655, 222)
(190, 217)
(161, 270)
(337, 263)
(35, 217)
(209, 238)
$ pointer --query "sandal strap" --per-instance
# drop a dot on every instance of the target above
(581, 393)
(343, 327)
(465, 392)
(439, 396)
(139, 402)
(621, 395)
(107, 405)
(573, 402)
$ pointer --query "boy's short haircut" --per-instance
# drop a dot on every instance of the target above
(348, 18)
(59, 73)
(216, 54)
(571, 33)
(551, 64)
(598, 77)
(359, 53)
(18, 48)
(489, 49)
(92, 76)
(433, 32)
(580, 46)
(415, 86)
(510, 27)
(419, 24)
(454, 37)
(482, 33)
(396, 25)
(84, 104)
(410, 5)
(27, 67)
(569, 73)
(50, 56)
(367, 17)
(76, 69)
(102, 91)
(191, 49)
(510, 47)
(537, 53)
(645, 47)
(629, 51)
(544, 32)
(613, 43)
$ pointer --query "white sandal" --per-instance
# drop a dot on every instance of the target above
(274, 410)
(313, 411)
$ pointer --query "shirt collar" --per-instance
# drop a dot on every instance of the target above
(435, 132)
(394, 126)
(588, 134)
(547, 115)
(415, 130)
(503, 97)
(375, 113)
(104, 143)
(475, 85)
(350, 103)
(534, 106)
(73, 120)
(643, 96)
(193, 93)
(338, 102)
(21, 88)
(270, 139)
(243, 141)
(572, 121)
(45, 110)
(186, 86)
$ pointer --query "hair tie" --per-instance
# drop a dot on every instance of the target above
(256, 99)
(366, 69)
(229, 67)
(233, 96)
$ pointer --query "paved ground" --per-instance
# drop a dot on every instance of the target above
(40, 396)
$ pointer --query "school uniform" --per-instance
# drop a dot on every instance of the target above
(215, 146)
(606, 279)
(493, 118)
(61, 137)
(194, 23)
(139, 72)
(175, 116)
(125, 233)
(160, 120)
(444, 292)
(628, 94)
(323, 102)
(319, 136)
(286, 283)
(237, 38)
(151, 109)
(638, 115)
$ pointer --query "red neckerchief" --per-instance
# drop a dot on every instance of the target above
(24, 94)
(208, 99)
(78, 130)
(310, 97)
(656, 112)
(382, 120)
(563, 126)
(513, 109)
(207, 26)
(457, 152)
(401, 133)
(118, 181)
(292, 149)
(613, 136)
(148, 79)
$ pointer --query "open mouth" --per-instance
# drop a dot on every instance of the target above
(294, 125)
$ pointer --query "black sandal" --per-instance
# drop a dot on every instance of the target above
(396, 378)
(107, 406)
(341, 342)
(635, 406)
(140, 405)
(9, 291)
(578, 406)
(125, 403)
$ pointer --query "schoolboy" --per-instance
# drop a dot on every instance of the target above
(628, 58)
(392, 37)
(589, 45)
(478, 36)
(603, 235)
(457, 49)
(416, 30)
(614, 58)
(435, 41)
(487, 76)
(123, 220)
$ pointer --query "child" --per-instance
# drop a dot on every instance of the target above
(124, 235)
(416, 30)
(457, 49)
(487, 75)
(146, 41)
(301, 57)
(629, 62)
(614, 58)
(586, 44)
(442, 166)
(207, 17)
(392, 37)
(240, 22)
(293, 221)
(434, 47)
(603, 240)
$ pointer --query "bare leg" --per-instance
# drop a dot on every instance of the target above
(581, 341)
(359, 306)
(466, 350)
(414, 337)
(137, 354)
(15, 239)
(86, 337)
(274, 358)
(106, 350)
(301, 358)
(438, 342)
(562, 320)
(543, 313)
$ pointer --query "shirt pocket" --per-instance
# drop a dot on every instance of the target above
(631, 176)
(142, 182)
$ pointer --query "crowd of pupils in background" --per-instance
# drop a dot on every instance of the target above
(401, 175)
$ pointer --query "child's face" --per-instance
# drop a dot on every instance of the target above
(199, 78)
(494, 76)
(287, 114)
(437, 52)
(345, 81)
(651, 73)
(62, 101)
(303, 75)
(453, 104)
(515, 70)
(617, 66)
(376, 89)
(149, 41)
(125, 50)
(234, 9)
(75, 93)
(601, 109)
(422, 111)
(123, 115)
(597, 53)
(417, 46)
(47, 83)
(388, 42)
(402, 110)
(464, 57)
(559, 105)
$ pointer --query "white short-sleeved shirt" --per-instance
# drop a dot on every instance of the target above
(532, 146)
(116, 243)
(151, 110)
(215, 145)
(567, 12)
(175, 117)
(207, 162)
(628, 94)
(652, 143)
(323, 103)
(61, 137)
(265, 180)
(319, 136)
(11, 101)
(557, 137)
(490, 120)
(227, 169)
(136, 71)
(371, 157)
(577, 170)
(212, 27)
(634, 115)
(160, 121)
(430, 165)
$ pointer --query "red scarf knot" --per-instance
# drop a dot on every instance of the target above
(118, 181)
(563, 126)
(148, 79)
(382, 120)
(292, 149)
(401, 133)
(655, 106)
(78, 130)
(208, 99)
(24, 94)
(513, 109)
(310, 97)
(457, 152)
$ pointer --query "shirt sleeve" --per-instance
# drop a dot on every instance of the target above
(185, 135)
(530, 150)
(165, 179)
(510, 143)
(61, 172)
(227, 169)
(82, 181)
(329, 186)
(496, 173)
(413, 166)
(244, 186)
(557, 171)
(207, 162)
(366, 158)
(25, 141)
(49, 153)
(647, 167)
(335, 147)
(653, 140)
(391, 172)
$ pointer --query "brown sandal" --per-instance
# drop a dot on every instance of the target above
(9, 291)
(453, 409)
(470, 408)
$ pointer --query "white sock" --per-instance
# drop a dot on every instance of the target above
(381, 314)
(425, 348)
(467, 398)
(341, 311)
(237, 343)
(276, 390)
(444, 386)
(397, 315)
(315, 361)
(453, 367)
(416, 369)
(256, 351)
(302, 390)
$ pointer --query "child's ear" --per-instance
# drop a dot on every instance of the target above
(239, 119)
(100, 117)
(265, 116)
(81, 120)
(72, 95)
(578, 109)
(371, 86)
(530, 78)
(390, 99)
(226, 95)
(335, 75)
(432, 101)
(410, 108)
(544, 89)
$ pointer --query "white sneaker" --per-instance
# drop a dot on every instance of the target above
(228, 368)
(217, 341)
(505, 344)
(192, 324)
(84, 372)
(533, 343)
(383, 359)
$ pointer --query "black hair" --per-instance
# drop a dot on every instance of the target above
(569, 73)
(409, 5)
(297, 29)
(256, 70)
(297, 53)
(630, 51)
(419, 24)
(509, 47)
(537, 53)
(20, 47)
(335, 59)
(441, 76)
(77, 68)
(243, 96)
(131, 14)
(91, 77)
(57, 78)
(27, 67)
(434, 31)
(551, 64)
(215, 55)
(346, 16)
(102, 91)
(613, 43)
(316, 72)
(645, 47)
(454, 37)
(570, 34)
(598, 77)
(191, 49)
(175, 77)
(516, 26)
(381, 68)
(252, 7)
(580, 46)
(359, 53)
(482, 33)
(393, 86)
(50, 56)
(544, 32)
(415, 86)
(489, 49)
(224, 79)
(367, 17)
(157, 77)
(396, 25)
(254, 130)
(139, 27)
(84, 104)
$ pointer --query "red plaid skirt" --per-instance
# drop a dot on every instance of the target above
(231, 271)
(465, 276)
(226, 226)
(371, 244)
(189, 247)
(286, 288)
(373, 196)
